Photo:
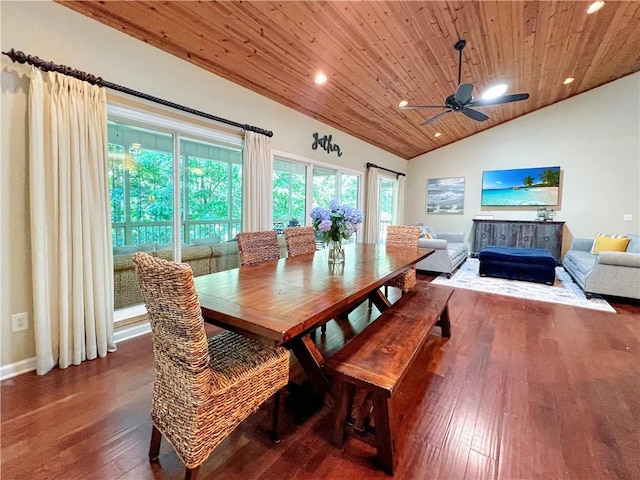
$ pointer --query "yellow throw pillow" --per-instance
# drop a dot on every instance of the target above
(610, 243)
(429, 235)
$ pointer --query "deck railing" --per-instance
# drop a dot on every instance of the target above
(132, 233)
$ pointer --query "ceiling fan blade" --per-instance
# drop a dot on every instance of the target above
(463, 93)
(433, 119)
(475, 114)
(516, 97)
(409, 107)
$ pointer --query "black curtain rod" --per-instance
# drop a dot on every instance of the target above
(388, 170)
(21, 57)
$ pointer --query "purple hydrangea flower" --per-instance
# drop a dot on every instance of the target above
(325, 225)
(337, 222)
(319, 213)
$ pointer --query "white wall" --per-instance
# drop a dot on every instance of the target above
(593, 137)
(55, 33)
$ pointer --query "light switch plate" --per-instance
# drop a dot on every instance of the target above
(627, 217)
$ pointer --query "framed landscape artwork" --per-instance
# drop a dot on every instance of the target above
(538, 186)
(445, 195)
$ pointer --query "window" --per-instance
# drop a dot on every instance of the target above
(141, 186)
(349, 188)
(330, 184)
(324, 186)
(387, 195)
(166, 177)
(300, 184)
(289, 193)
(213, 194)
(142, 195)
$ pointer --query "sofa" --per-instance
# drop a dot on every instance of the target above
(451, 251)
(203, 259)
(606, 272)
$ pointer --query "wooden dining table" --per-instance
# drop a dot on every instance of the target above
(282, 301)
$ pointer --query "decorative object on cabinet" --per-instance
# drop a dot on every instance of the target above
(517, 233)
(543, 214)
(445, 195)
(521, 187)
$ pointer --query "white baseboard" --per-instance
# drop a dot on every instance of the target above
(14, 369)
(127, 333)
(29, 365)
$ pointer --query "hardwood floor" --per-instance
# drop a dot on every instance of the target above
(522, 390)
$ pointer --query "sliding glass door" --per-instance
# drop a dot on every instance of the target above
(300, 185)
(289, 194)
(141, 185)
(387, 197)
(211, 192)
(169, 192)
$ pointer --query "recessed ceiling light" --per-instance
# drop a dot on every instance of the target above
(403, 103)
(320, 78)
(494, 92)
(568, 80)
(594, 7)
(437, 134)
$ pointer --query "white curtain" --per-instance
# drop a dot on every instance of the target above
(257, 194)
(400, 204)
(72, 264)
(372, 206)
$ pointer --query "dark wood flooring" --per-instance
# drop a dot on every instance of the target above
(522, 390)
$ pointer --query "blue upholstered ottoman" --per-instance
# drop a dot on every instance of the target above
(528, 264)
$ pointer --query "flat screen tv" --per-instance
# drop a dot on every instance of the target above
(538, 186)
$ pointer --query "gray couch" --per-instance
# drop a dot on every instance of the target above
(605, 273)
(450, 252)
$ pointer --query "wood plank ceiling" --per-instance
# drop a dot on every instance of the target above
(378, 53)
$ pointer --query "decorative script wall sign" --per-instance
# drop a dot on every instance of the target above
(325, 143)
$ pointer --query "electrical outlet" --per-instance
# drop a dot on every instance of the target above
(20, 321)
(627, 217)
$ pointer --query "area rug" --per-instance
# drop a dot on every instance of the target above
(564, 290)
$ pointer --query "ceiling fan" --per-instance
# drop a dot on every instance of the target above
(462, 100)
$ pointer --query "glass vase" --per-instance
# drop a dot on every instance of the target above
(336, 252)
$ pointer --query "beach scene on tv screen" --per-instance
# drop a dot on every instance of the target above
(523, 186)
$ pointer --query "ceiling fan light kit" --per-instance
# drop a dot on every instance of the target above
(462, 100)
(494, 92)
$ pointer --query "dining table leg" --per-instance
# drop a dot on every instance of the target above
(312, 362)
(311, 359)
(379, 300)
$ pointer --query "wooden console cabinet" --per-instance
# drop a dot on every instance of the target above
(516, 233)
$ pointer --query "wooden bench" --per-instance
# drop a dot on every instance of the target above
(375, 362)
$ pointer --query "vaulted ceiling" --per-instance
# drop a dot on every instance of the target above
(376, 54)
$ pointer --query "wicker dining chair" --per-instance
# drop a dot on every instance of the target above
(300, 240)
(203, 388)
(402, 236)
(258, 247)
